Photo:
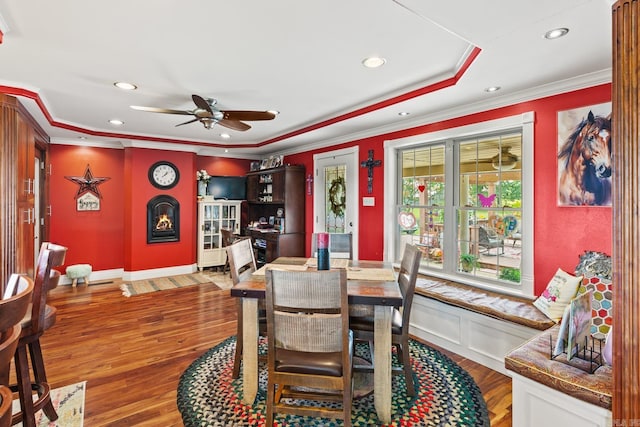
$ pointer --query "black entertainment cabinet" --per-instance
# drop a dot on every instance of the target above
(277, 197)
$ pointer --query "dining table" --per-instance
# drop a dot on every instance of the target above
(370, 284)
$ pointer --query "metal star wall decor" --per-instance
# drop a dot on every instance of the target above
(88, 183)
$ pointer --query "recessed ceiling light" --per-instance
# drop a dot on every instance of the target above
(403, 113)
(492, 89)
(373, 62)
(225, 135)
(82, 137)
(226, 150)
(125, 86)
(116, 122)
(556, 33)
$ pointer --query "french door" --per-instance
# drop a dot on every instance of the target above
(335, 200)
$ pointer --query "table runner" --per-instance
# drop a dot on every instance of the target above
(353, 273)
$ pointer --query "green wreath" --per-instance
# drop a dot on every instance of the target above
(338, 196)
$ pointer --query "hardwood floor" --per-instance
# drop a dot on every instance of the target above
(132, 351)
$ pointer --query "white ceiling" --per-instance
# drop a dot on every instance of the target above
(301, 58)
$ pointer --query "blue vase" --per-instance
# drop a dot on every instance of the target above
(323, 259)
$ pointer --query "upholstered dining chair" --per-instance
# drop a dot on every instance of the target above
(242, 264)
(310, 347)
(363, 326)
(40, 318)
(340, 245)
(13, 307)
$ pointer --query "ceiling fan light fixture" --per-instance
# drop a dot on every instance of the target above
(207, 122)
(506, 161)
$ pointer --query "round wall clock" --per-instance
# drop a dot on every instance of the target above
(164, 175)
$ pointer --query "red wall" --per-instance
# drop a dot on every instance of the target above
(93, 237)
(562, 234)
(115, 237)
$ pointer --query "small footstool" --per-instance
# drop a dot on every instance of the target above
(79, 271)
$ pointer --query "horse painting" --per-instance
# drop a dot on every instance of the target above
(584, 164)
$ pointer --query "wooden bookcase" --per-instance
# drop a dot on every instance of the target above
(277, 197)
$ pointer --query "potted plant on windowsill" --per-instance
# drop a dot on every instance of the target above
(468, 262)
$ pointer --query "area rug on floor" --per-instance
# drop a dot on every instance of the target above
(69, 404)
(138, 287)
(447, 395)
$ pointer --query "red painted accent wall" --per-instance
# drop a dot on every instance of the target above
(94, 237)
(562, 234)
(115, 237)
(223, 166)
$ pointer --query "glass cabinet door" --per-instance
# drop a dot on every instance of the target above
(211, 227)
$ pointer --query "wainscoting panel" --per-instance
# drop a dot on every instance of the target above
(535, 404)
(480, 338)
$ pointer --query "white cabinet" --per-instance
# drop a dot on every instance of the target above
(212, 216)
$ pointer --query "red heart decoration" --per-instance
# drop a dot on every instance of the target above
(421, 188)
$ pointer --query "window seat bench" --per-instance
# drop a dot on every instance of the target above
(510, 335)
(481, 325)
(549, 392)
(500, 306)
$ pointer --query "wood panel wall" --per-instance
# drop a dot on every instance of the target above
(626, 213)
(20, 136)
(8, 186)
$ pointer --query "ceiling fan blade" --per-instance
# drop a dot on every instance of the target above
(248, 115)
(202, 103)
(234, 124)
(161, 110)
(187, 122)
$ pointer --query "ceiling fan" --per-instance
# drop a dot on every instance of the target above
(207, 114)
(504, 160)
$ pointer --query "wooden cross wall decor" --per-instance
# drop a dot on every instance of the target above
(370, 164)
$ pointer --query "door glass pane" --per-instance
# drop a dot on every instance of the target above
(336, 198)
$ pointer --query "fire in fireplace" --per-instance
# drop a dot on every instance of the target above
(163, 219)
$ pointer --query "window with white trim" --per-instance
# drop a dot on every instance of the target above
(462, 200)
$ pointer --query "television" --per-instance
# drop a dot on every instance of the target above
(228, 187)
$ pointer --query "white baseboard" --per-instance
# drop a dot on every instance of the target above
(119, 273)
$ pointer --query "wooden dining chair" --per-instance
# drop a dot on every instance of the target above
(340, 245)
(39, 319)
(363, 326)
(310, 348)
(228, 238)
(242, 264)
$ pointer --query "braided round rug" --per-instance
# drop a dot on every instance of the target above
(446, 394)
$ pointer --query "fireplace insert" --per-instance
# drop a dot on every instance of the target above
(163, 219)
